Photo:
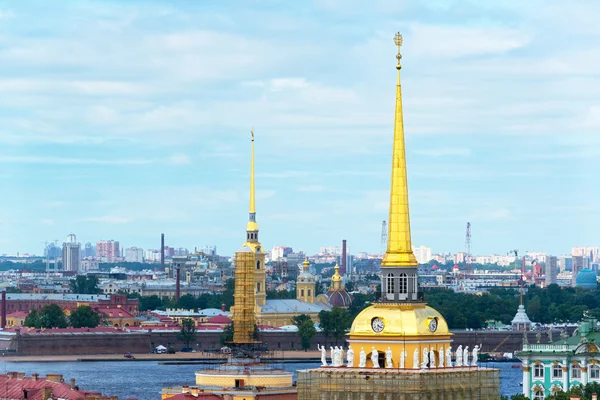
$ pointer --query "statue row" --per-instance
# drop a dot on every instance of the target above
(428, 361)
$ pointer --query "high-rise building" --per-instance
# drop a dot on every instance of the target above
(209, 250)
(278, 252)
(134, 254)
(578, 264)
(108, 250)
(590, 253)
(52, 251)
(551, 269)
(88, 250)
(71, 254)
(423, 254)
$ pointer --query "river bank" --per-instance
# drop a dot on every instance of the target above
(197, 358)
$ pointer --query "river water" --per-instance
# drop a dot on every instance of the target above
(143, 380)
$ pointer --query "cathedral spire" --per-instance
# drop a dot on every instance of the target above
(399, 248)
(252, 225)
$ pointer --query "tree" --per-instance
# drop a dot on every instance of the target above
(150, 303)
(227, 335)
(32, 320)
(335, 323)
(85, 284)
(306, 330)
(49, 316)
(299, 319)
(84, 317)
(187, 334)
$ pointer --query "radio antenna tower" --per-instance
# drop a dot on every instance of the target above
(383, 237)
(468, 246)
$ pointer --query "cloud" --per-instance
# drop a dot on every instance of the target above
(180, 159)
(288, 83)
(108, 219)
(441, 152)
(70, 161)
(311, 188)
(439, 41)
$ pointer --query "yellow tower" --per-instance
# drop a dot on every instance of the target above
(244, 297)
(400, 320)
(305, 284)
(252, 242)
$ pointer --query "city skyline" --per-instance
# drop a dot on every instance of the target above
(139, 123)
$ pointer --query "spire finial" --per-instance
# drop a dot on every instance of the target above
(398, 42)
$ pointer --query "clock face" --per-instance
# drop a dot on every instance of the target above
(433, 325)
(377, 325)
(258, 249)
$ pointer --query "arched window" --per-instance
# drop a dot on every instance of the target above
(302, 292)
(575, 371)
(403, 283)
(557, 372)
(258, 286)
(390, 284)
(538, 395)
(309, 293)
(594, 372)
(538, 371)
(258, 265)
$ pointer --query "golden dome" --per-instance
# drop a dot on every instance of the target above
(336, 276)
(399, 319)
(306, 263)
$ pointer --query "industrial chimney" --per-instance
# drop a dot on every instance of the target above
(344, 258)
(3, 319)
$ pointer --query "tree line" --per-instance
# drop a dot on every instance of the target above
(52, 316)
(553, 304)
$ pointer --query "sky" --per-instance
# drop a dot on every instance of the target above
(122, 120)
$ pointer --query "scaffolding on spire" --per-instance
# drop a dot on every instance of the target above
(468, 248)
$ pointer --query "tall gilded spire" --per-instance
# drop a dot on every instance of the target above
(252, 225)
(399, 248)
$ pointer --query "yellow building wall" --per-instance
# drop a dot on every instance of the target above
(397, 344)
(15, 321)
(260, 278)
(227, 381)
(305, 292)
(278, 320)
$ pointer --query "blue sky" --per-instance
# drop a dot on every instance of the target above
(123, 120)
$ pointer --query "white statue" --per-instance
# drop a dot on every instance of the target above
(323, 351)
(403, 358)
(425, 358)
(475, 355)
(416, 359)
(332, 355)
(388, 358)
(375, 357)
(350, 357)
(466, 356)
(449, 357)
(441, 365)
(432, 358)
(340, 356)
(363, 358)
(459, 355)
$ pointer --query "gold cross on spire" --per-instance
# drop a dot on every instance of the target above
(398, 41)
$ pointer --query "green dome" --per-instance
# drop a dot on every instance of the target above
(586, 279)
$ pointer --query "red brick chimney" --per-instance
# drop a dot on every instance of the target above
(223, 307)
(3, 319)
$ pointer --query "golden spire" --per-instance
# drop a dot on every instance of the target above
(399, 248)
(252, 225)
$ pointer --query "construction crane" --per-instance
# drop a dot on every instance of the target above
(468, 246)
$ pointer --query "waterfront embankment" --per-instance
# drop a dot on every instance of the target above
(199, 357)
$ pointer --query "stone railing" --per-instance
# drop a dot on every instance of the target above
(548, 347)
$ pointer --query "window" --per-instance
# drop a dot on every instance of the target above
(390, 283)
(575, 371)
(538, 371)
(403, 283)
(308, 292)
(594, 372)
(258, 286)
(302, 292)
(557, 372)
(258, 265)
(538, 395)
